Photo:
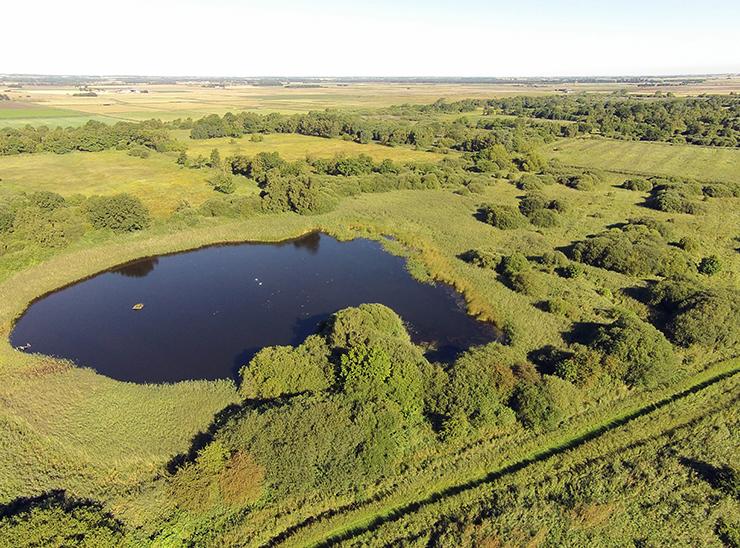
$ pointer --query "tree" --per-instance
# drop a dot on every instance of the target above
(120, 213)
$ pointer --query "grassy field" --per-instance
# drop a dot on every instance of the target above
(635, 157)
(157, 180)
(66, 427)
(298, 147)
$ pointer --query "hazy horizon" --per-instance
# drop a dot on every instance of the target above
(411, 38)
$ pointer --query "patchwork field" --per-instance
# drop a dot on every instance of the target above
(649, 158)
(170, 101)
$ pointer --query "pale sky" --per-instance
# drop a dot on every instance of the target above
(370, 38)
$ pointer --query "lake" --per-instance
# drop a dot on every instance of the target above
(207, 312)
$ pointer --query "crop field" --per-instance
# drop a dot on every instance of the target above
(645, 158)
(298, 147)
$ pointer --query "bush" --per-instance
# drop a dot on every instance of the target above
(7, 217)
(478, 385)
(481, 258)
(48, 201)
(709, 318)
(581, 367)
(634, 249)
(139, 151)
(544, 218)
(635, 352)
(120, 213)
(535, 406)
(529, 182)
(672, 199)
(514, 264)
(553, 259)
(638, 183)
(689, 244)
(503, 217)
(223, 182)
(279, 370)
(533, 201)
(709, 265)
(572, 270)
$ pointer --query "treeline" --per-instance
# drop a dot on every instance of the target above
(363, 129)
(713, 121)
(91, 137)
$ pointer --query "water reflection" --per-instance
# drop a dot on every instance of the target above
(207, 312)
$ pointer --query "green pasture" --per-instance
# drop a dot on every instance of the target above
(649, 158)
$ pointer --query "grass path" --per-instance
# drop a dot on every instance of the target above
(344, 525)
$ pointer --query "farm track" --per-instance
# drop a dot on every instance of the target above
(344, 531)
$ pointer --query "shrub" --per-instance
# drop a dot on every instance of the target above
(478, 384)
(581, 366)
(529, 182)
(139, 151)
(7, 217)
(635, 352)
(709, 318)
(503, 217)
(120, 213)
(671, 199)
(689, 244)
(481, 258)
(533, 201)
(634, 249)
(48, 201)
(535, 406)
(709, 265)
(514, 264)
(553, 260)
(223, 182)
(278, 370)
(56, 520)
(638, 183)
(544, 218)
(572, 270)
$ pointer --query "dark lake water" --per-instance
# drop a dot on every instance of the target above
(207, 312)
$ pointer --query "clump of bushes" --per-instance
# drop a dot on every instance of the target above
(481, 258)
(503, 216)
(638, 184)
(635, 352)
(634, 249)
(695, 315)
(120, 213)
(672, 198)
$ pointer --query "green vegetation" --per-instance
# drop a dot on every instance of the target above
(604, 414)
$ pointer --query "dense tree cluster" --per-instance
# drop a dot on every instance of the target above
(91, 137)
(713, 121)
